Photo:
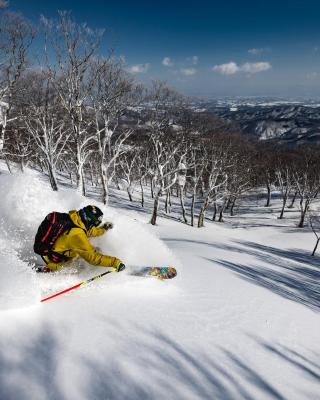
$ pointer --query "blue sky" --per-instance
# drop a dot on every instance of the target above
(208, 48)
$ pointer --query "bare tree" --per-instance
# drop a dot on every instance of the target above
(239, 170)
(196, 157)
(239, 181)
(315, 226)
(294, 197)
(166, 141)
(168, 157)
(284, 177)
(307, 179)
(16, 37)
(143, 165)
(265, 171)
(43, 120)
(128, 164)
(215, 175)
(182, 180)
(75, 46)
(19, 148)
(113, 93)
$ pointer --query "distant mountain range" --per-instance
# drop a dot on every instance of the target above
(288, 122)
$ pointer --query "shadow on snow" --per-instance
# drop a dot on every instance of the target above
(293, 274)
(151, 366)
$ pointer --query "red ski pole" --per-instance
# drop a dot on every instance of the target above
(76, 286)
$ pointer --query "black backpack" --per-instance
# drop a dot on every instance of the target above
(52, 227)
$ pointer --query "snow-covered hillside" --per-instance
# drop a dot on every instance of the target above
(240, 321)
(286, 123)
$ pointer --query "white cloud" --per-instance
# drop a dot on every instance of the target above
(253, 68)
(232, 68)
(256, 52)
(167, 62)
(195, 60)
(139, 68)
(188, 71)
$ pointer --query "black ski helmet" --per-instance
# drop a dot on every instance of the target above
(91, 216)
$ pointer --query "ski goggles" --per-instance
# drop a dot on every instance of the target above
(98, 220)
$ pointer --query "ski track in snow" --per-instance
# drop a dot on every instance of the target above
(240, 321)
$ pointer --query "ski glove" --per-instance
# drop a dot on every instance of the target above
(107, 226)
(119, 268)
(41, 269)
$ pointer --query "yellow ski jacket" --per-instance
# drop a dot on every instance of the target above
(76, 242)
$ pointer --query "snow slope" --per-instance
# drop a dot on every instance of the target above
(240, 321)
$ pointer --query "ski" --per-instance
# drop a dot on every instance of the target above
(166, 272)
(162, 273)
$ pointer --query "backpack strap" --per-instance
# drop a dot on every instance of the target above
(54, 217)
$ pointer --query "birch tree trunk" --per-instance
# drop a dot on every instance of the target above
(232, 206)
(215, 211)
(192, 207)
(316, 246)
(284, 202)
(182, 204)
(168, 203)
(103, 178)
(142, 193)
(268, 195)
(52, 178)
(129, 193)
(8, 164)
(223, 207)
(202, 213)
(303, 211)
(155, 209)
(293, 199)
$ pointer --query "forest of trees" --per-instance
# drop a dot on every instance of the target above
(66, 108)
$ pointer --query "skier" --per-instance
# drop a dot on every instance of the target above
(76, 228)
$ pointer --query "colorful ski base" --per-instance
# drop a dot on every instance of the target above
(158, 272)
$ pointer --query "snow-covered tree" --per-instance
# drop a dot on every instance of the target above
(19, 148)
(167, 144)
(307, 179)
(128, 164)
(265, 168)
(241, 170)
(16, 37)
(315, 226)
(75, 47)
(114, 92)
(167, 155)
(195, 157)
(218, 160)
(143, 164)
(181, 182)
(42, 117)
(284, 171)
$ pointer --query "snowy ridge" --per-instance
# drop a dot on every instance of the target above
(287, 122)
